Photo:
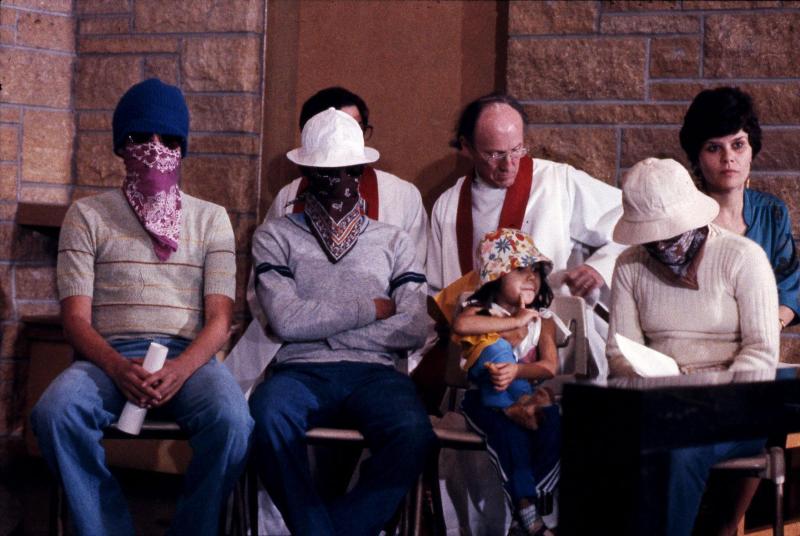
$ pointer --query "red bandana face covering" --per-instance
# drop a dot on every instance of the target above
(151, 187)
(334, 210)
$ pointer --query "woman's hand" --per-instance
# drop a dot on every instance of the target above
(785, 316)
(502, 374)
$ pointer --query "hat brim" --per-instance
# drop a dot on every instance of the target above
(302, 158)
(698, 211)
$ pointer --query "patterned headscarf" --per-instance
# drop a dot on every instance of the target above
(501, 251)
(333, 208)
(151, 187)
(676, 254)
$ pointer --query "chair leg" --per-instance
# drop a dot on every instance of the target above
(414, 524)
(777, 472)
(439, 527)
(777, 527)
(58, 510)
(236, 522)
(251, 487)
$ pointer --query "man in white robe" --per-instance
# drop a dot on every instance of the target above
(571, 217)
(564, 209)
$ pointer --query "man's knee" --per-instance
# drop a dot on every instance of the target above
(55, 411)
(274, 415)
(693, 462)
(415, 430)
(233, 422)
(220, 402)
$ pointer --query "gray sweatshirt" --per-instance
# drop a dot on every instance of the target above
(324, 311)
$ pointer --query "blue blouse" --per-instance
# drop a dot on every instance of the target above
(768, 224)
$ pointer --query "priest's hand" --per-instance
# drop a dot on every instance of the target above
(582, 280)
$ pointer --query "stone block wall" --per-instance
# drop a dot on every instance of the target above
(63, 66)
(37, 137)
(607, 83)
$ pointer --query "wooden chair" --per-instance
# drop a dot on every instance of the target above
(233, 520)
(452, 429)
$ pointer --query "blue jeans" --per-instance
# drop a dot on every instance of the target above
(688, 473)
(529, 459)
(70, 417)
(375, 399)
(499, 352)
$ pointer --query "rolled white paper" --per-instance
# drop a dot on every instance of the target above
(132, 416)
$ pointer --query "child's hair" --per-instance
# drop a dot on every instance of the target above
(488, 292)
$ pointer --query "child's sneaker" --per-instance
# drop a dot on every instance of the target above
(515, 529)
(530, 521)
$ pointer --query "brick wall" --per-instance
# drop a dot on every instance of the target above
(64, 66)
(37, 134)
(606, 84)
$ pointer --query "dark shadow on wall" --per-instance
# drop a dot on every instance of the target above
(440, 175)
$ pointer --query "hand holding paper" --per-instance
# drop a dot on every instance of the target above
(132, 416)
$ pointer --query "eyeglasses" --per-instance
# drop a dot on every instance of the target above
(328, 173)
(495, 156)
(169, 141)
(367, 129)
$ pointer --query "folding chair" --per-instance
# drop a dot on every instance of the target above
(769, 465)
(233, 519)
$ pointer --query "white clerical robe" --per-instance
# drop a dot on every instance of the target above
(567, 209)
(569, 214)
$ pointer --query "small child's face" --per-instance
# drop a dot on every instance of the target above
(522, 282)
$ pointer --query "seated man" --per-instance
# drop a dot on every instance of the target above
(139, 264)
(346, 295)
(570, 215)
(387, 198)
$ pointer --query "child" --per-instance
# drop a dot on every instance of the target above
(508, 340)
(513, 278)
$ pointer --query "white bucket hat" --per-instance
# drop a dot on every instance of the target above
(660, 201)
(332, 139)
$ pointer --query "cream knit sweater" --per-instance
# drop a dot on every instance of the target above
(105, 253)
(730, 322)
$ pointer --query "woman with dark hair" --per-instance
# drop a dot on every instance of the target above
(721, 137)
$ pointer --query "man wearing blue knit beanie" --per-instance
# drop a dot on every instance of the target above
(142, 264)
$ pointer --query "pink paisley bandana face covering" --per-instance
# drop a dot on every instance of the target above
(151, 187)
